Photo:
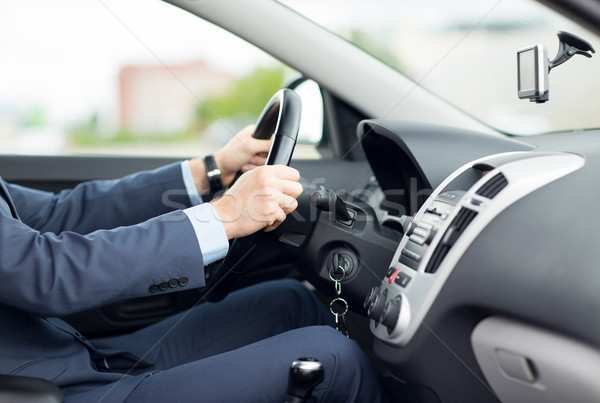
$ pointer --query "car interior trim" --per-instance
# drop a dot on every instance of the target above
(525, 363)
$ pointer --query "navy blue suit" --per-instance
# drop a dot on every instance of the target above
(106, 241)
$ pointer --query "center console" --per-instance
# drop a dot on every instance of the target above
(445, 226)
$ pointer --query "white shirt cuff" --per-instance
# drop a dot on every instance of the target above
(190, 187)
(209, 231)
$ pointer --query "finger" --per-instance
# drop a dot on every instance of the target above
(277, 222)
(288, 204)
(249, 167)
(248, 131)
(291, 188)
(244, 137)
(285, 172)
(258, 160)
(271, 227)
(259, 146)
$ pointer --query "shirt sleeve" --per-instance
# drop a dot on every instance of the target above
(209, 232)
(205, 220)
(188, 180)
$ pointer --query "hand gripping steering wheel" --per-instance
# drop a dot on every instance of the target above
(281, 119)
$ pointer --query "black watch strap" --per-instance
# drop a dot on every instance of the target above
(213, 173)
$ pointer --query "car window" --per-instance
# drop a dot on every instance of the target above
(125, 77)
(469, 57)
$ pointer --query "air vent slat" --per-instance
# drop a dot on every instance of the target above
(492, 187)
(436, 259)
(454, 231)
(463, 219)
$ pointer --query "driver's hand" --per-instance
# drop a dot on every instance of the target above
(242, 153)
(261, 198)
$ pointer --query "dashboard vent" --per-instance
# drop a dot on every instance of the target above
(492, 187)
(454, 231)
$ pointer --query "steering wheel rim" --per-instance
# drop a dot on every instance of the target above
(281, 119)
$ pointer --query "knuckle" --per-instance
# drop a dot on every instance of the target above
(271, 210)
(264, 176)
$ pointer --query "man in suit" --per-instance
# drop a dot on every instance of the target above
(149, 233)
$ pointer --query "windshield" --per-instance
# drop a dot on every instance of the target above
(465, 52)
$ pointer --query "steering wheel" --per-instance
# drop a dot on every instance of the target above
(280, 119)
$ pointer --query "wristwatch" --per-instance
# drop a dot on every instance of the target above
(213, 173)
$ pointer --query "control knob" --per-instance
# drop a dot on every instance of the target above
(378, 303)
(371, 297)
(391, 314)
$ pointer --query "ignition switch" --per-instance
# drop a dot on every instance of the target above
(342, 260)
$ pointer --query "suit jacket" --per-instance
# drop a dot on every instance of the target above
(101, 242)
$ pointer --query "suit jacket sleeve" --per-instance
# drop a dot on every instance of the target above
(55, 275)
(103, 204)
(97, 243)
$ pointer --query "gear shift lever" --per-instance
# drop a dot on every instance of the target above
(305, 374)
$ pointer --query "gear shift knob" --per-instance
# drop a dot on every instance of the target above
(305, 374)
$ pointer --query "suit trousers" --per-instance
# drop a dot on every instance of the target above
(240, 350)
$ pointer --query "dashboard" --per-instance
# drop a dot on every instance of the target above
(492, 291)
(444, 228)
(471, 259)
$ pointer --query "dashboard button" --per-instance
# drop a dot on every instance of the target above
(390, 271)
(402, 279)
(427, 234)
(446, 195)
(411, 255)
(419, 240)
(476, 202)
(425, 226)
(422, 232)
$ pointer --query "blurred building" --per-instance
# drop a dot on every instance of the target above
(163, 99)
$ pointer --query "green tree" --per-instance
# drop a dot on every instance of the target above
(245, 99)
(35, 116)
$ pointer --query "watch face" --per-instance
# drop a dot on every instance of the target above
(213, 173)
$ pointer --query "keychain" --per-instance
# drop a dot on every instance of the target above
(338, 306)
